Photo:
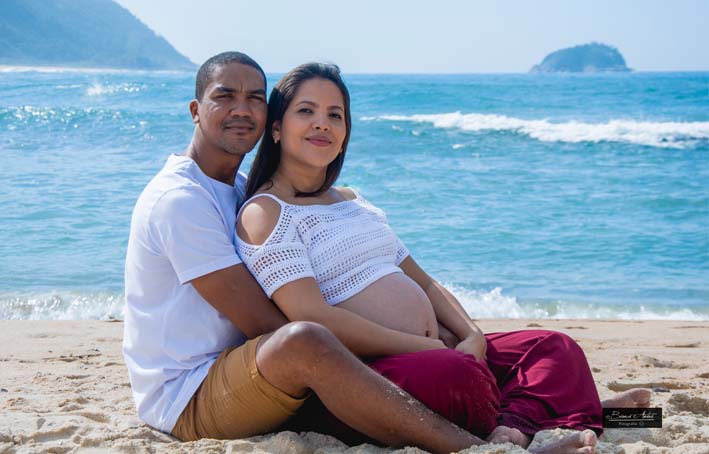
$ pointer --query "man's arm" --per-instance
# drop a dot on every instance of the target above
(189, 231)
(236, 295)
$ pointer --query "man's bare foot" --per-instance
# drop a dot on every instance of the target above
(632, 398)
(504, 434)
(573, 443)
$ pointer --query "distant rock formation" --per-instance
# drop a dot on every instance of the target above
(81, 33)
(586, 58)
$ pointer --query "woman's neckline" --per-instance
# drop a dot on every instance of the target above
(268, 194)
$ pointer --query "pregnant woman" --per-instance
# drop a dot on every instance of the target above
(327, 255)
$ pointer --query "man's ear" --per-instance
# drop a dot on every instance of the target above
(276, 131)
(194, 111)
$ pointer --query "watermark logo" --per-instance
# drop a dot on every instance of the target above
(624, 418)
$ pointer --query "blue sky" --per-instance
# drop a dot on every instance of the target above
(432, 36)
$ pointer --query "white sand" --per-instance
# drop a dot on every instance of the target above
(64, 388)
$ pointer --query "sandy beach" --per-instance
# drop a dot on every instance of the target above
(64, 388)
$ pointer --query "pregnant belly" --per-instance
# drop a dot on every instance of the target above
(397, 302)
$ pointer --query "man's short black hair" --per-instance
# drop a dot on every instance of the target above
(204, 75)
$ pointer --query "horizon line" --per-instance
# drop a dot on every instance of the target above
(56, 68)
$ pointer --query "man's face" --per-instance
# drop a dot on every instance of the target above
(232, 113)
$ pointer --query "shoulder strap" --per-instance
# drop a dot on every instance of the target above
(263, 194)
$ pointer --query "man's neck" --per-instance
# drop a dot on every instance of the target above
(216, 164)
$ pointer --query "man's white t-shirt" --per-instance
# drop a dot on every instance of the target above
(182, 228)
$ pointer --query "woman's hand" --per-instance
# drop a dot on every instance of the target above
(448, 338)
(436, 344)
(475, 345)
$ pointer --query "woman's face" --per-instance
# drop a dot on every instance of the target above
(313, 126)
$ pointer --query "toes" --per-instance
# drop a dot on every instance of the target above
(494, 434)
(588, 438)
(645, 398)
(632, 398)
(640, 396)
(498, 439)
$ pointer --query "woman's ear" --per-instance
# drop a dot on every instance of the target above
(276, 131)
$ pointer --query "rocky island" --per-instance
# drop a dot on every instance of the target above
(586, 58)
(81, 33)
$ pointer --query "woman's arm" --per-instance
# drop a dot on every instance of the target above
(449, 312)
(302, 300)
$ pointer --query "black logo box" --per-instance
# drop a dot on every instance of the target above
(624, 418)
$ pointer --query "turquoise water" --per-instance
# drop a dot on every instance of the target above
(528, 195)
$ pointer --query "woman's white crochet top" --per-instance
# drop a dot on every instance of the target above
(345, 246)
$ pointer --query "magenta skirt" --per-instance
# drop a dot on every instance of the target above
(532, 380)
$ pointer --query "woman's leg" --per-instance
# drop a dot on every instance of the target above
(452, 384)
(544, 381)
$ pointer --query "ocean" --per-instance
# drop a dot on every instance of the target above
(540, 196)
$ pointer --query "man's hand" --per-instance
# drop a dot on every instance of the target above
(475, 345)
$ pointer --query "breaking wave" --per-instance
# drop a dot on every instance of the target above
(655, 134)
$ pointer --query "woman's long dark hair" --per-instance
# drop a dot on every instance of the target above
(268, 156)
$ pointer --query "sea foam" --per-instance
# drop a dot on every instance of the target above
(61, 305)
(480, 304)
(98, 89)
(655, 134)
(494, 303)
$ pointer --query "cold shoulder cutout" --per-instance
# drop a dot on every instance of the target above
(258, 218)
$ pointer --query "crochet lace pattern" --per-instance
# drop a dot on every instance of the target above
(345, 246)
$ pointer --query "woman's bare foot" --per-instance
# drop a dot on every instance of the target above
(573, 443)
(632, 398)
(504, 434)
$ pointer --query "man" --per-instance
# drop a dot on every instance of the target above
(191, 305)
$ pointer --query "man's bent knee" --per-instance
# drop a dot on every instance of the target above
(297, 345)
(307, 339)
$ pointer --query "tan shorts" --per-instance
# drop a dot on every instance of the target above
(234, 400)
